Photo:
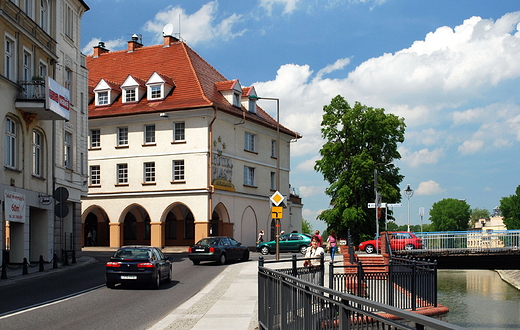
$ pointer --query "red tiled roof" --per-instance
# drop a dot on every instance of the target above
(196, 82)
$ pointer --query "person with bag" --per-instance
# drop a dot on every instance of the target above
(313, 251)
(260, 238)
(332, 244)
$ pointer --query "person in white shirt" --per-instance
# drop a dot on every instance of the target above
(314, 251)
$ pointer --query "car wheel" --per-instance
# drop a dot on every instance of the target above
(222, 259)
(369, 248)
(264, 250)
(409, 247)
(303, 249)
(157, 282)
(169, 278)
(195, 262)
(111, 285)
(245, 256)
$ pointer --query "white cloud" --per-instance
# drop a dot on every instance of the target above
(423, 156)
(429, 188)
(109, 44)
(288, 5)
(307, 165)
(471, 146)
(338, 65)
(307, 191)
(198, 27)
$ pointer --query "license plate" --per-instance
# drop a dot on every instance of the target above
(129, 277)
(199, 250)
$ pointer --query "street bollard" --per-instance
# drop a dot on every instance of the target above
(73, 256)
(65, 258)
(25, 271)
(41, 269)
(4, 270)
(55, 261)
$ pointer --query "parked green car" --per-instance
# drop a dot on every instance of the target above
(291, 242)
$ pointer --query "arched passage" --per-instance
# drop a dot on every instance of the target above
(179, 225)
(136, 225)
(249, 225)
(95, 221)
(220, 224)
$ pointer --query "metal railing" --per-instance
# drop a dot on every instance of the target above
(287, 302)
(32, 89)
(472, 241)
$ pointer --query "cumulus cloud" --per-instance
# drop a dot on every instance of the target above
(288, 5)
(307, 165)
(429, 188)
(471, 146)
(307, 191)
(423, 156)
(198, 27)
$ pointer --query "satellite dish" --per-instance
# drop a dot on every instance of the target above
(168, 30)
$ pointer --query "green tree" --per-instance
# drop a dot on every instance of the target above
(510, 208)
(359, 141)
(306, 227)
(477, 214)
(450, 214)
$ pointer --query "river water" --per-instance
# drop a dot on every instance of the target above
(479, 299)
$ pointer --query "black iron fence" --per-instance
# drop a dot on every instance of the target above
(287, 302)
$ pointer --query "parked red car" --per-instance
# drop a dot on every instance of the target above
(399, 240)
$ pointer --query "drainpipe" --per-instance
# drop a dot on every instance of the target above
(211, 188)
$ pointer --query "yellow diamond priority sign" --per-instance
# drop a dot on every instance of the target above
(277, 198)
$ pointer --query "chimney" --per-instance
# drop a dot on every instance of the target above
(168, 40)
(100, 49)
(134, 43)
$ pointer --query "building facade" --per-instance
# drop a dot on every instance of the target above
(177, 152)
(43, 107)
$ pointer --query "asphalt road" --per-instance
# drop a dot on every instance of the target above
(78, 299)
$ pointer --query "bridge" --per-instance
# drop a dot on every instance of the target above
(491, 249)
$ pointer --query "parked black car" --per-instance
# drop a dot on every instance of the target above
(219, 249)
(138, 264)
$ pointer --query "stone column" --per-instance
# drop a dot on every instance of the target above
(116, 237)
(157, 234)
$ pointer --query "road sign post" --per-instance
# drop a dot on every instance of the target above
(276, 213)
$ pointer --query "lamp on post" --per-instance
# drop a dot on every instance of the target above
(408, 192)
(277, 163)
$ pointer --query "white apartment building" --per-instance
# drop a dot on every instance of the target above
(177, 152)
(43, 110)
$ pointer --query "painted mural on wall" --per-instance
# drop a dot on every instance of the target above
(222, 167)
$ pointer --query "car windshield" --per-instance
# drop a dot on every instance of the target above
(208, 241)
(134, 253)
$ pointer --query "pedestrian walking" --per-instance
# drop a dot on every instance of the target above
(260, 238)
(332, 245)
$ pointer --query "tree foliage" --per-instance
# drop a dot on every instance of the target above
(450, 214)
(306, 227)
(510, 208)
(359, 140)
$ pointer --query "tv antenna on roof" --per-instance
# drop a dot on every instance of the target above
(168, 30)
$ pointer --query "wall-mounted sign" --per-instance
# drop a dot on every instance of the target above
(57, 98)
(14, 206)
(45, 200)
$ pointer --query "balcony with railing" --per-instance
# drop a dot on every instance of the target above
(33, 99)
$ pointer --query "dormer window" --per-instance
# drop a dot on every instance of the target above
(133, 89)
(232, 91)
(158, 86)
(106, 92)
(236, 99)
(102, 98)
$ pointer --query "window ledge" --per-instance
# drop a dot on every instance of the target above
(38, 177)
(94, 186)
(149, 183)
(149, 144)
(122, 147)
(250, 186)
(179, 142)
(178, 182)
(252, 152)
(94, 148)
(121, 185)
(12, 169)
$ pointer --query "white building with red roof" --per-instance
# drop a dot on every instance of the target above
(177, 152)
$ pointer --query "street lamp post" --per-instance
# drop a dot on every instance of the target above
(277, 163)
(408, 192)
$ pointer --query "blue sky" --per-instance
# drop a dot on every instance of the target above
(450, 68)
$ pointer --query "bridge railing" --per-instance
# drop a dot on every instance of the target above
(476, 241)
(288, 302)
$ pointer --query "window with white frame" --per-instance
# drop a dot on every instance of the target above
(28, 8)
(179, 132)
(95, 138)
(68, 80)
(149, 134)
(27, 65)
(10, 58)
(37, 154)
(236, 99)
(44, 15)
(42, 70)
(95, 175)
(149, 172)
(249, 176)
(178, 170)
(67, 150)
(102, 98)
(122, 173)
(69, 22)
(122, 136)
(155, 92)
(273, 181)
(274, 149)
(11, 132)
(250, 142)
(130, 95)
